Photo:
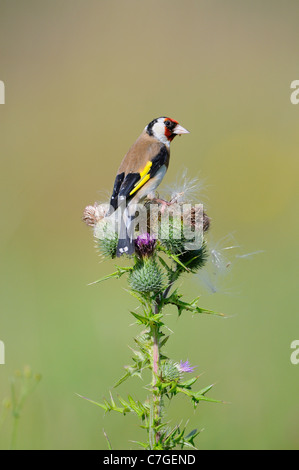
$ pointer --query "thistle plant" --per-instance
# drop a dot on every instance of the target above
(170, 242)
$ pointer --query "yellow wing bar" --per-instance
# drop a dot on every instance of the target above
(144, 177)
(146, 169)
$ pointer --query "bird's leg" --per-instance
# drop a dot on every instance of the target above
(161, 202)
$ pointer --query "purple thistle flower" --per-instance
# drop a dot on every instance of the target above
(186, 366)
(145, 245)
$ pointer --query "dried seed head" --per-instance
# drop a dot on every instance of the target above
(91, 215)
(206, 222)
(196, 214)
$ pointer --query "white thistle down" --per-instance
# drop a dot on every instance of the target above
(184, 188)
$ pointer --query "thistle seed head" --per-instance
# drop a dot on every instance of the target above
(91, 215)
(94, 214)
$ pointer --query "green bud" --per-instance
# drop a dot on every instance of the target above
(170, 371)
(108, 240)
(144, 341)
(194, 259)
(146, 276)
(171, 235)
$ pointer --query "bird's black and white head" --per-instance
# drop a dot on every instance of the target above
(165, 129)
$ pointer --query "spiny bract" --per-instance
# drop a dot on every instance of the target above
(171, 235)
(170, 371)
(107, 242)
(147, 277)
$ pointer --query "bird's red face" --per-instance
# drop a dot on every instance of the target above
(165, 129)
(169, 126)
(172, 128)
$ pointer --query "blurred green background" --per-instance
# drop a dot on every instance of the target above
(83, 78)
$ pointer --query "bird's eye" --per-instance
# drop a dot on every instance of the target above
(167, 123)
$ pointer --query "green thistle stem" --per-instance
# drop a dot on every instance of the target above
(156, 397)
(155, 354)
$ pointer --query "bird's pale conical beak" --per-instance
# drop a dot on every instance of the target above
(180, 130)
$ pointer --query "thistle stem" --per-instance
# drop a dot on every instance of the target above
(156, 397)
(156, 354)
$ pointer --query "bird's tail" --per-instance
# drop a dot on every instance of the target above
(126, 245)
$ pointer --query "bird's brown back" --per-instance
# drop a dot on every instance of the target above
(144, 149)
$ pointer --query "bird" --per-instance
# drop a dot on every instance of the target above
(140, 173)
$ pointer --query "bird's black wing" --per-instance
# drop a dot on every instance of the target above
(127, 186)
(160, 160)
(123, 187)
(117, 184)
(150, 169)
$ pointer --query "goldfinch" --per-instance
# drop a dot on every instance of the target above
(141, 171)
